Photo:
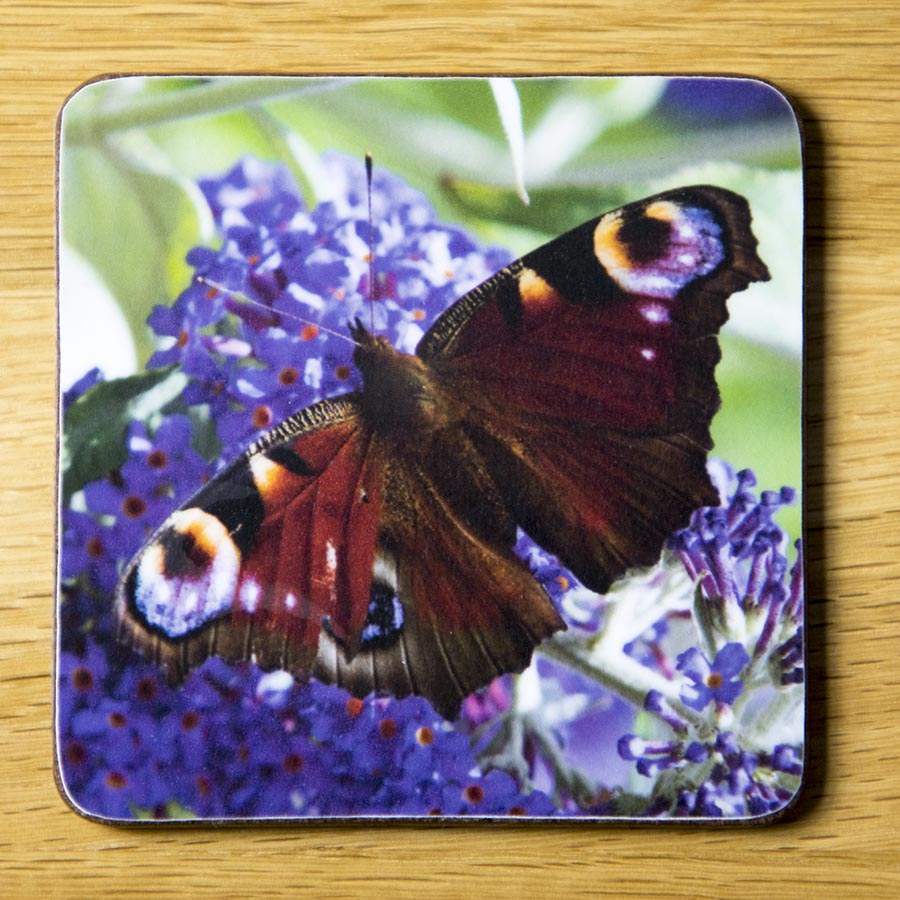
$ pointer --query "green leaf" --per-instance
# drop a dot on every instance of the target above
(121, 104)
(759, 424)
(551, 212)
(95, 425)
(629, 805)
(510, 111)
(174, 810)
(133, 224)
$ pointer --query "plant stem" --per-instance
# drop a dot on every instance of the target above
(620, 674)
(275, 134)
(210, 98)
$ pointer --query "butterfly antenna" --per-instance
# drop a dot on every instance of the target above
(241, 297)
(371, 244)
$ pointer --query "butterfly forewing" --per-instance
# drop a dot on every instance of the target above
(604, 325)
(278, 542)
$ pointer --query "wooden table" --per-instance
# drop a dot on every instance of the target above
(840, 64)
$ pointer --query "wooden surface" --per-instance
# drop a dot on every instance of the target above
(839, 62)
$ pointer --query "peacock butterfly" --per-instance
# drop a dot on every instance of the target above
(368, 539)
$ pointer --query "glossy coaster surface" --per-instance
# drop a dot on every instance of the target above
(430, 448)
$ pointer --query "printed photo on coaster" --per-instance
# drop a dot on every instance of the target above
(430, 447)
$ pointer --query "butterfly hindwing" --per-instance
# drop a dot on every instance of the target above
(602, 501)
(461, 607)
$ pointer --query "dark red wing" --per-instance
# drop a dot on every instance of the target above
(612, 324)
(462, 608)
(328, 548)
(587, 370)
(601, 500)
(278, 543)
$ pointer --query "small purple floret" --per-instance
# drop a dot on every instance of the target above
(712, 682)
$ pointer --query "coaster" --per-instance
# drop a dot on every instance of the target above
(430, 448)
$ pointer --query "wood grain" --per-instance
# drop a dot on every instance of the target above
(839, 62)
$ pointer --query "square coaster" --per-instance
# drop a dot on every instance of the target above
(430, 448)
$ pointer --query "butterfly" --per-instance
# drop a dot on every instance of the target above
(368, 539)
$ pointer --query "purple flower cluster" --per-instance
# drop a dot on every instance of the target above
(262, 328)
(231, 742)
(258, 333)
(736, 783)
(749, 607)
(736, 554)
(712, 682)
(701, 101)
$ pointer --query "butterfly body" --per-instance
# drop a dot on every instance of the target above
(401, 397)
(368, 540)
